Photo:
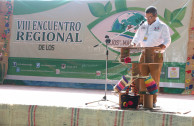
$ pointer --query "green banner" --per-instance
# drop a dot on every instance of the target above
(64, 41)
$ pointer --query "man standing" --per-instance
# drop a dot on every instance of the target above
(152, 33)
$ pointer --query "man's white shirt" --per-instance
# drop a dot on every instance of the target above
(152, 35)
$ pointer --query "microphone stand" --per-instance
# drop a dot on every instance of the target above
(108, 40)
(104, 98)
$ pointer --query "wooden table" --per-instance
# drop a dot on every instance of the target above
(149, 52)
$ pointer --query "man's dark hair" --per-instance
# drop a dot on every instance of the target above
(151, 9)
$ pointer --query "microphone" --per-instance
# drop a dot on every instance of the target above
(108, 40)
(141, 22)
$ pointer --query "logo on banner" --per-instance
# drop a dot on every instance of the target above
(98, 73)
(121, 25)
(37, 65)
(14, 64)
(17, 69)
(173, 72)
(63, 66)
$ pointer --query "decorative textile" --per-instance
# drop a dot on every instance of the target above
(127, 60)
(151, 85)
(6, 9)
(33, 115)
(121, 84)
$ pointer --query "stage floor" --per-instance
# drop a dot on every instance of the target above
(68, 97)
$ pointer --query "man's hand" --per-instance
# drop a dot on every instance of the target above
(162, 46)
(132, 44)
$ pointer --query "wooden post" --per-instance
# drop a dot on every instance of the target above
(190, 55)
(148, 101)
(124, 53)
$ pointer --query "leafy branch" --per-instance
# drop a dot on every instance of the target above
(174, 18)
(99, 10)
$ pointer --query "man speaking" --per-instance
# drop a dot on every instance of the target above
(152, 33)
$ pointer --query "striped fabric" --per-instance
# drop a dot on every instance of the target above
(121, 84)
(151, 85)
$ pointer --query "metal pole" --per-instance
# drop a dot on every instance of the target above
(106, 71)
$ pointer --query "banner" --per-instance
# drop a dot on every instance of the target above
(64, 41)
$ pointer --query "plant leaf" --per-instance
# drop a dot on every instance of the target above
(178, 14)
(167, 14)
(97, 9)
(108, 7)
(176, 24)
(120, 5)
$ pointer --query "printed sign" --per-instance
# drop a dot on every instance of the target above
(173, 72)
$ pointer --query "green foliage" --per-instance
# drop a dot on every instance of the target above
(174, 18)
(167, 15)
(176, 23)
(178, 14)
(99, 10)
(120, 5)
(108, 7)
